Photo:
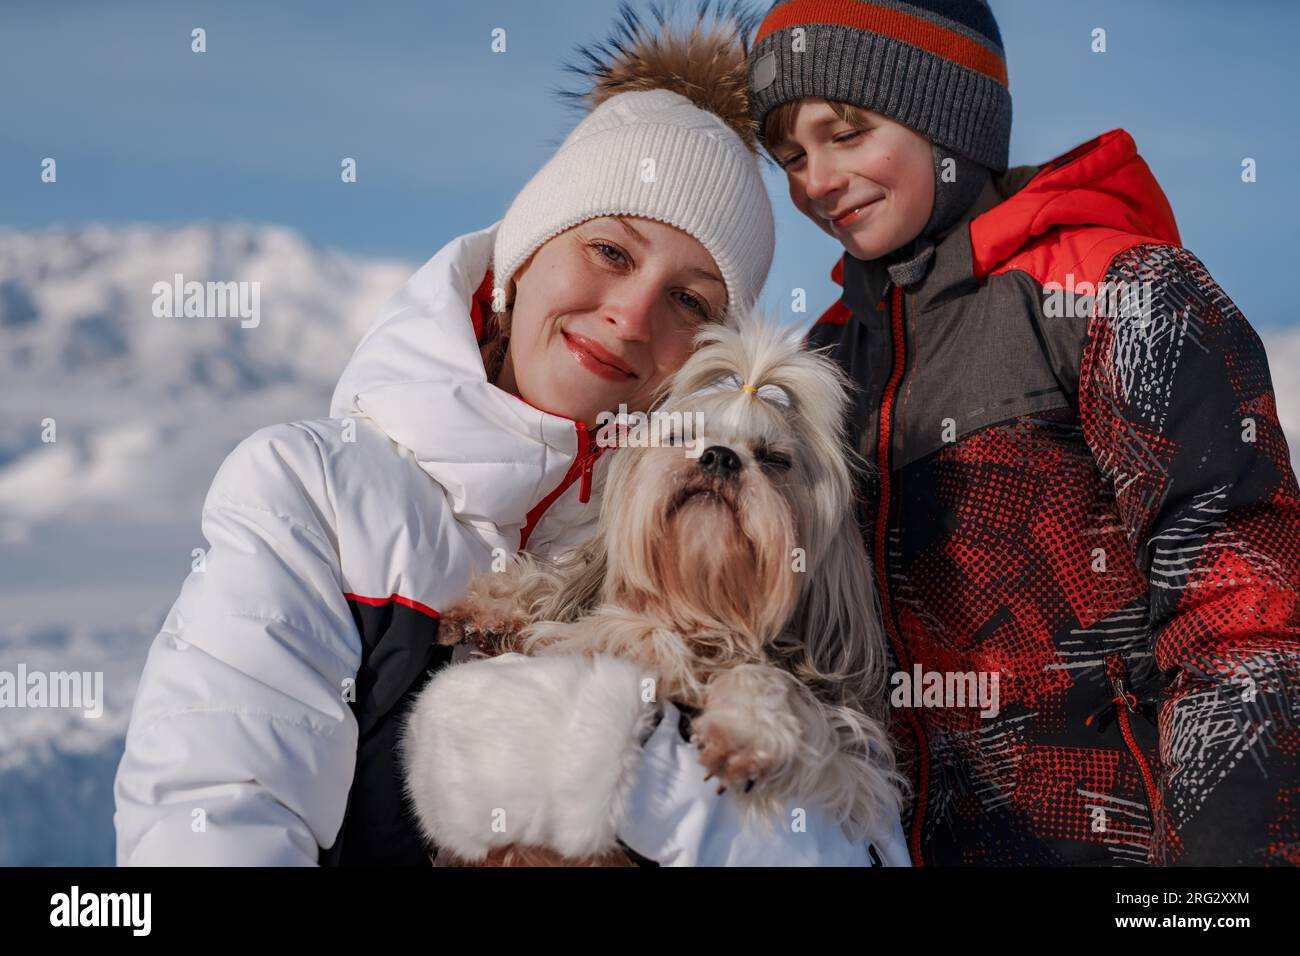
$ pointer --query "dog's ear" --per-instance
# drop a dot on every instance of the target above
(579, 581)
(838, 621)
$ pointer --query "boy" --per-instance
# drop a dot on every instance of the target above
(1081, 498)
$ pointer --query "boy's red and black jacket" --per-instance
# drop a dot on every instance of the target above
(1080, 486)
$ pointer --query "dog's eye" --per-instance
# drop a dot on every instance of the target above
(773, 459)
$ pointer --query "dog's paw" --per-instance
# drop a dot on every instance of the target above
(453, 627)
(748, 731)
(471, 624)
(730, 750)
(458, 625)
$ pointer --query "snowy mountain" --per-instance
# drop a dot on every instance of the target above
(97, 527)
(1284, 364)
(145, 406)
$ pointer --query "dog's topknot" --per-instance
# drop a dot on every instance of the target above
(705, 63)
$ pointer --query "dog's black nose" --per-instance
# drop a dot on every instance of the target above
(720, 461)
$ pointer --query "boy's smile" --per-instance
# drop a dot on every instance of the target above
(870, 185)
(852, 216)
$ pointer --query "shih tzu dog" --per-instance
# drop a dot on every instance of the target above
(729, 578)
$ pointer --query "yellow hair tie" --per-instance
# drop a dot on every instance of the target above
(749, 388)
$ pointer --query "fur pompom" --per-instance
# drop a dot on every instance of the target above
(705, 62)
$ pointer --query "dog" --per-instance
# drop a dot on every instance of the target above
(734, 576)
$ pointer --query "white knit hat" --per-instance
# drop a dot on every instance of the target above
(655, 153)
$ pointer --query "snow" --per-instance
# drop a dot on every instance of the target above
(97, 528)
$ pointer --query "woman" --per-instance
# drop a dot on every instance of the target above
(264, 728)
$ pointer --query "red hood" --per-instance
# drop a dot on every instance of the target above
(1103, 183)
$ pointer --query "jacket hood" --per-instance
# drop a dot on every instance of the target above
(1101, 183)
(418, 375)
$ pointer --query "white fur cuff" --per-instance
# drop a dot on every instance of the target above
(538, 751)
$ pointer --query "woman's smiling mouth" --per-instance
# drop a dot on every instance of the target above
(594, 357)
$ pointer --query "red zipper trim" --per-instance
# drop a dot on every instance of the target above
(886, 428)
(1147, 777)
(580, 468)
(1125, 702)
(584, 491)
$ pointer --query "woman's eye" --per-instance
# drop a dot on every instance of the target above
(695, 304)
(790, 161)
(604, 248)
(849, 136)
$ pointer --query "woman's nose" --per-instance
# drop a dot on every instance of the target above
(630, 309)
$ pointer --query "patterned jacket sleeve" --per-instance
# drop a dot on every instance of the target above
(1178, 408)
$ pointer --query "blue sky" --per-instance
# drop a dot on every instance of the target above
(445, 131)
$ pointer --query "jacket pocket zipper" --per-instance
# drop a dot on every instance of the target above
(1124, 704)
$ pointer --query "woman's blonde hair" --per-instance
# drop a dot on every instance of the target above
(495, 337)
